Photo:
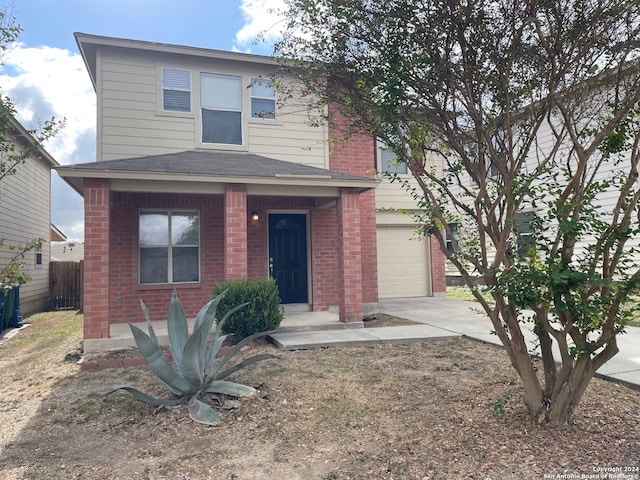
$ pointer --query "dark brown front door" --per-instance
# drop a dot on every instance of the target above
(288, 255)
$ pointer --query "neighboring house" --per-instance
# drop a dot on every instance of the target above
(67, 252)
(25, 214)
(203, 174)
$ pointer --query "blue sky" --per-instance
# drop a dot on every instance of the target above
(45, 75)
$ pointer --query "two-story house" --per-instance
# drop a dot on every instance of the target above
(25, 214)
(204, 174)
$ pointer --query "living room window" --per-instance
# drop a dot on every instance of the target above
(263, 98)
(176, 90)
(169, 246)
(221, 108)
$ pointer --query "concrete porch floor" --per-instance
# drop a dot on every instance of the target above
(120, 337)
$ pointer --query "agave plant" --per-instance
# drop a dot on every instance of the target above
(200, 370)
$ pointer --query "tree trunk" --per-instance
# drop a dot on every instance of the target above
(566, 396)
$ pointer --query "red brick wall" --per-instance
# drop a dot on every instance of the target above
(324, 258)
(357, 155)
(350, 256)
(125, 292)
(258, 266)
(369, 247)
(96, 264)
(438, 278)
(235, 228)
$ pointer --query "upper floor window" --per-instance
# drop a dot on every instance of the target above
(389, 162)
(221, 108)
(263, 98)
(169, 246)
(525, 236)
(176, 90)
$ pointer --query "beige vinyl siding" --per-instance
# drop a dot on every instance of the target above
(291, 141)
(25, 207)
(128, 95)
(133, 123)
(392, 195)
(544, 143)
(607, 200)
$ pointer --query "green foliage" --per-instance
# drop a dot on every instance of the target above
(16, 147)
(497, 406)
(201, 369)
(12, 272)
(536, 122)
(262, 313)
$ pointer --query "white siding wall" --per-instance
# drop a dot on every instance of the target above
(133, 123)
(25, 214)
(606, 200)
(393, 195)
(543, 145)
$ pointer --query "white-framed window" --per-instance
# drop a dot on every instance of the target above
(221, 108)
(38, 252)
(169, 246)
(388, 161)
(176, 90)
(263, 99)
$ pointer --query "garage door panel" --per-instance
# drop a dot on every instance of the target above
(403, 268)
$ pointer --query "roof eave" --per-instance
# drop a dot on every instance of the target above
(75, 177)
(25, 136)
(88, 45)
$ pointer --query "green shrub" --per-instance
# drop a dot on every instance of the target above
(263, 312)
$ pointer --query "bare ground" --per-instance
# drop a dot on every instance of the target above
(448, 409)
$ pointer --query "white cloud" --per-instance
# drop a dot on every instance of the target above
(263, 21)
(45, 82)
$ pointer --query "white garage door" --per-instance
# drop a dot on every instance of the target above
(403, 263)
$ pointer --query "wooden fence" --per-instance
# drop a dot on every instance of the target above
(65, 285)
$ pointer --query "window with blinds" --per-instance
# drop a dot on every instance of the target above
(176, 90)
(221, 108)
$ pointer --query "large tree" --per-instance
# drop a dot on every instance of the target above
(17, 146)
(533, 108)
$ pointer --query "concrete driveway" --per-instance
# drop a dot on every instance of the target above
(467, 318)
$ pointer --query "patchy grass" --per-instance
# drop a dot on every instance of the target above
(441, 409)
(464, 293)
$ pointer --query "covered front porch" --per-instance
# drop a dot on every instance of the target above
(243, 208)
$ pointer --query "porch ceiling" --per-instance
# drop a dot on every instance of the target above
(207, 171)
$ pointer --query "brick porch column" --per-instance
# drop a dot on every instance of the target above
(350, 255)
(95, 292)
(235, 232)
(438, 274)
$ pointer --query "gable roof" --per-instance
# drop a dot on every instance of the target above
(212, 166)
(57, 235)
(27, 139)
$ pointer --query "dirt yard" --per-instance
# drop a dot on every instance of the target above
(439, 410)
